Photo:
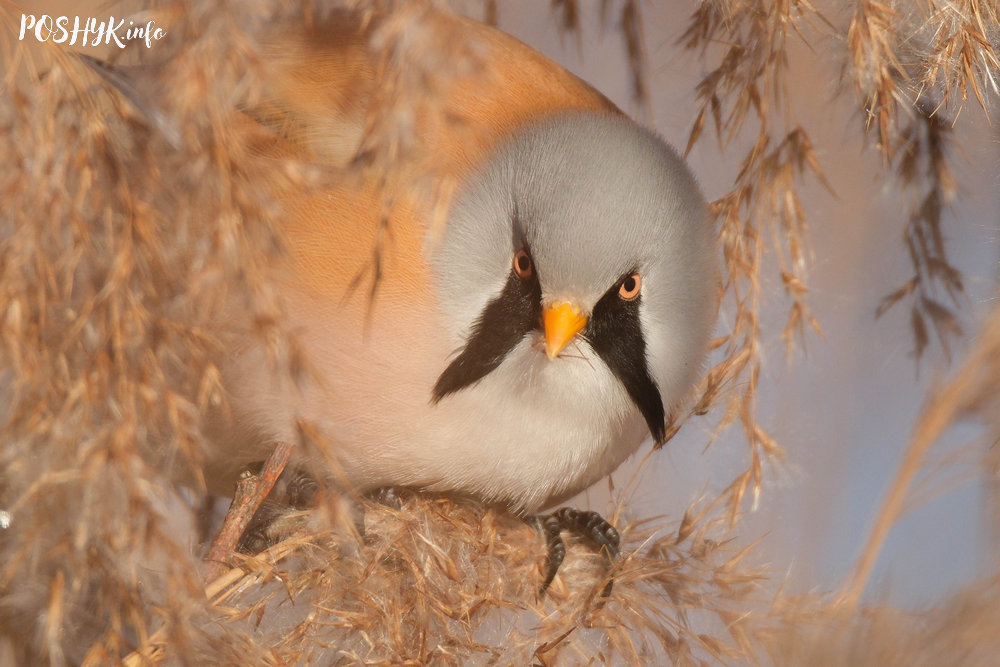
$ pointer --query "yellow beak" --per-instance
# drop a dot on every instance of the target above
(562, 322)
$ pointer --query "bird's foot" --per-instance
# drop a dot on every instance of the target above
(589, 525)
(295, 489)
(386, 495)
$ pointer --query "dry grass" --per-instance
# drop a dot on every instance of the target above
(747, 42)
(125, 229)
(123, 232)
(910, 63)
(913, 65)
(447, 582)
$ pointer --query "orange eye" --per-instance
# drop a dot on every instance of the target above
(522, 264)
(629, 289)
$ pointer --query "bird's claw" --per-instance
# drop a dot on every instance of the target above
(586, 524)
(386, 495)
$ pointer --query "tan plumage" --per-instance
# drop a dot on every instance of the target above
(373, 396)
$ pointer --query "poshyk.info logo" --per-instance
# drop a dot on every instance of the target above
(77, 31)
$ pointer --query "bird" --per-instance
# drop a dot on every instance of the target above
(516, 347)
(526, 347)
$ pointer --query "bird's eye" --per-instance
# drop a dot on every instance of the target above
(522, 264)
(629, 289)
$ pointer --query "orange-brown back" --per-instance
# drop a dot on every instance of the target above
(402, 129)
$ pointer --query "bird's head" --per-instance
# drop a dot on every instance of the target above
(589, 233)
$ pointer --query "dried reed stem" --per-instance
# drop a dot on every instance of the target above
(749, 84)
(974, 386)
(251, 490)
(912, 65)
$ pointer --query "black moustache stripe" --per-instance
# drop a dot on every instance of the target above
(504, 322)
(613, 331)
(615, 334)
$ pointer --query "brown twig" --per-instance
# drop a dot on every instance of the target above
(250, 493)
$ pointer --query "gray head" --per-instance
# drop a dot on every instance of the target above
(587, 225)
